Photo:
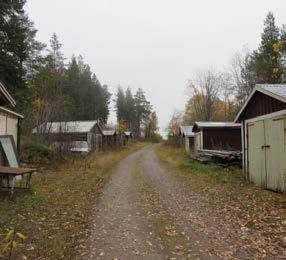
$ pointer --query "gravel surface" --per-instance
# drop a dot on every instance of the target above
(146, 212)
(120, 229)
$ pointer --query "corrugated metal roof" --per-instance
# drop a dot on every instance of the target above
(66, 127)
(276, 89)
(216, 124)
(108, 132)
(187, 130)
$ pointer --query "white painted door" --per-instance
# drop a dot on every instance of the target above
(267, 153)
(256, 153)
(275, 153)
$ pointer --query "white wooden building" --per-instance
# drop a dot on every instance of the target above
(187, 137)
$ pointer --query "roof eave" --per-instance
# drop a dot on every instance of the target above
(260, 89)
(11, 112)
(7, 95)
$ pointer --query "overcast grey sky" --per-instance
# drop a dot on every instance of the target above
(153, 44)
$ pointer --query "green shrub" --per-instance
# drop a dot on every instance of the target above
(35, 152)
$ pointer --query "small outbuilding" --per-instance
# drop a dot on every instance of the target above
(187, 137)
(263, 120)
(127, 137)
(111, 139)
(9, 122)
(76, 136)
(224, 136)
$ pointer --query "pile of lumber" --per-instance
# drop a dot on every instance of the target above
(218, 156)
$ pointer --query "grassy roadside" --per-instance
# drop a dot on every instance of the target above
(259, 214)
(206, 174)
(55, 215)
(161, 224)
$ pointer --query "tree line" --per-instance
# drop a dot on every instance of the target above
(46, 86)
(135, 113)
(218, 95)
(49, 88)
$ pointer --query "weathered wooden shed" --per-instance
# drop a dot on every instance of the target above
(217, 136)
(76, 136)
(111, 139)
(127, 137)
(263, 119)
(187, 137)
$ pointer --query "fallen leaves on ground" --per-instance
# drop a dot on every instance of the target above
(56, 214)
(226, 208)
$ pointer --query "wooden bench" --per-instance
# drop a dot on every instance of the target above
(12, 173)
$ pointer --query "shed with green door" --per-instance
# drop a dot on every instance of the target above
(263, 119)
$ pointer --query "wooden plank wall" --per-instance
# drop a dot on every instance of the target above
(222, 139)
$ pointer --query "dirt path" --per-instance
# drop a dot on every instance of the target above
(120, 228)
(146, 213)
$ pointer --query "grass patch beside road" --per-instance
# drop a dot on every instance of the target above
(56, 214)
(234, 202)
(208, 173)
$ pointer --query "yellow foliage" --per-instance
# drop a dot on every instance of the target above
(39, 103)
(275, 70)
(122, 126)
(279, 46)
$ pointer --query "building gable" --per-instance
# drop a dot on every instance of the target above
(5, 97)
(260, 104)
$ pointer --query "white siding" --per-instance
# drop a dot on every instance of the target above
(9, 125)
(12, 127)
(2, 124)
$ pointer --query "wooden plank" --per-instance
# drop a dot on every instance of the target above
(15, 171)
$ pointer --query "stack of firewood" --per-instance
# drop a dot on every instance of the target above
(220, 157)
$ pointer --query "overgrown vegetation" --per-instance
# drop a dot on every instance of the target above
(35, 153)
(209, 173)
(250, 210)
(56, 214)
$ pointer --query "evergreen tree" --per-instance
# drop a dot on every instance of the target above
(120, 105)
(265, 62)
(90, 100)
(130, 109)
(102, 101)
(142, 108)
(17, 44)
(57, 56)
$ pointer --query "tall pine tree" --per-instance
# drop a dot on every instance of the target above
(17, 44)
(265, 62)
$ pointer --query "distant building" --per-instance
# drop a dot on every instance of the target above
(187, 137)
(76, 136)
(127, 137)
(111, 139)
